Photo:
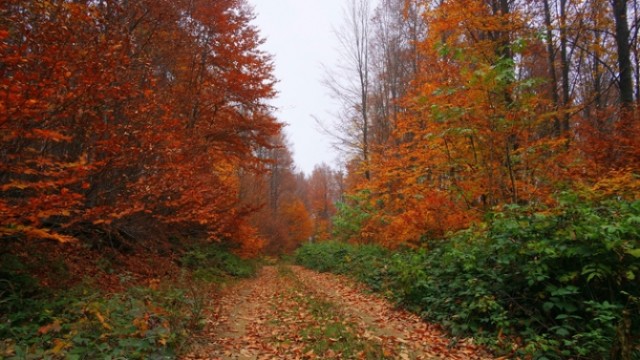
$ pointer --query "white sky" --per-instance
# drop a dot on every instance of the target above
(300, 36)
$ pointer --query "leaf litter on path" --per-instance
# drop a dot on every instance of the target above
(289, 312)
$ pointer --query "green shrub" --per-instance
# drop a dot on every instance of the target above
(351, 215)
(86, 323)
(213, 262)
(324, 256)
(559, 283)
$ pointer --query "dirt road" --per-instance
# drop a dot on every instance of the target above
(289, 312)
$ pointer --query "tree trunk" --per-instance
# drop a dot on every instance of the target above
(622, 35)
(564, 64)
(551, 58)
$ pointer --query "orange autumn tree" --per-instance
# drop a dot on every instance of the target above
(468, 138)
(224, 81)
(323, 193)
(58, 90)
(495, 114)
(278, 195)
(298, 223)
(116, 116)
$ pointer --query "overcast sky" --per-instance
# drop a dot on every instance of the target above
(300, 36)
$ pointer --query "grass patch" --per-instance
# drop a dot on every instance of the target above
(327, 333)
(332, 335)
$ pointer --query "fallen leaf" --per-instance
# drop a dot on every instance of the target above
(53, 327)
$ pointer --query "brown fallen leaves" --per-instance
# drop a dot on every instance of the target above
(412, 337)
(294, 313)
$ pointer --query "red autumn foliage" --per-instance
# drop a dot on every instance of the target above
(113, 112)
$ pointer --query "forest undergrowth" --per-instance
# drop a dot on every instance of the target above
(557, 283)
(82, 303)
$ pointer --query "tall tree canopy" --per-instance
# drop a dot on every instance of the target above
(112, 112)
(476, 104)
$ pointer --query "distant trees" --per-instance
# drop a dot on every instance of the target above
(277, 196)
(290, 207)
(324, 192)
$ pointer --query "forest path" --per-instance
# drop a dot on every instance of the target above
(288, 312)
